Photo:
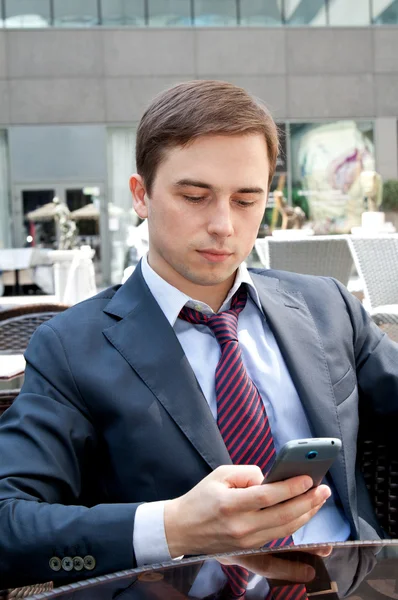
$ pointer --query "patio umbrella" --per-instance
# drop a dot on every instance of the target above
(90, 212)
(43, 213)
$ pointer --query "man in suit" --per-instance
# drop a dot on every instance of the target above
(120, 449)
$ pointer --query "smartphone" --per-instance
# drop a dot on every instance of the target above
(309, 456)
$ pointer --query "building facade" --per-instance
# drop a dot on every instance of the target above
(75, 77)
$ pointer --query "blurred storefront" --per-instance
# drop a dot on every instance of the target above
(76, 76)
(319, 169)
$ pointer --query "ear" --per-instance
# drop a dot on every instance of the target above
(138, 192)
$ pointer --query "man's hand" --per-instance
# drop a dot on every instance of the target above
(230, 510)
(273, 567)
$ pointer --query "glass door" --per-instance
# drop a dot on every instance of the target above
(87, 204)
(27, 199)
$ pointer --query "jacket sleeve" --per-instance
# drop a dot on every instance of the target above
(376, 360)
(44, 440)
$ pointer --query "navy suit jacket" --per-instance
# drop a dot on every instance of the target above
(111, 415)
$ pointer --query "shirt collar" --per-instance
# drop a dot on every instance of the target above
(171, 300)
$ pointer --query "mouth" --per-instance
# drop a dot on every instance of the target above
(215, 255)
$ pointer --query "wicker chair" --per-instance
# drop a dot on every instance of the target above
(26, 592)
(312, 255)
(7, 397)
(379, 464)
(376, 260)
(18, 324)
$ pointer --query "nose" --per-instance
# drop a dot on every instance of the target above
(220, 220)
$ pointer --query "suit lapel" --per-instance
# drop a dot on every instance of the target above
(146, 340)
(300, 344)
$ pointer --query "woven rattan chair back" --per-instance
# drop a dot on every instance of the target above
(378, 462)
(376, 260)
(7, 397)
(380, 470)
(17, 325)
(26, 592)
(319, 255)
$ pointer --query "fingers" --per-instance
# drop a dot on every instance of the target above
(323, 551)
(239, 476)
(257, 496)
(273, 567)
(281, 520)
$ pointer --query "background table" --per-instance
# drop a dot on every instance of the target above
(12, 373)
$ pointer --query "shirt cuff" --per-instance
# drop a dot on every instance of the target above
(149, 537)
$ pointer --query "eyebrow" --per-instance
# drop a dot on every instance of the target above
(207, 186)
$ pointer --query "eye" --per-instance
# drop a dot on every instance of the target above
(194, 199)
(244, 203)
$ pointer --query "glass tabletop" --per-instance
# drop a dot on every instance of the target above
(356, 570)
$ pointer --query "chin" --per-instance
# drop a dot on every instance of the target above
(210, 277)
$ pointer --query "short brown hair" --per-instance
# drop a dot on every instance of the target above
(196, 108)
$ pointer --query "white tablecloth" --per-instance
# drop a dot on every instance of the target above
(13, 259)
(11, 365)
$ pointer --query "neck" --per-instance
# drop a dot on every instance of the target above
(212, 295)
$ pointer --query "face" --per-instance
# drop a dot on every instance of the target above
(206, 206)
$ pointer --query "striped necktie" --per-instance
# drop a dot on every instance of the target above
(241, 419)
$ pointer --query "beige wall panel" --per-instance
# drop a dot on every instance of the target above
(127, 98)
(329, 50)
(4, 102)
(3, 57)
(386, 89)
(331, 96)
(386, 49)
(148, 52)
(240, 52)
(54, 53)
(57, 101)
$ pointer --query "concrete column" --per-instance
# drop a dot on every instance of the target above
(386, 146)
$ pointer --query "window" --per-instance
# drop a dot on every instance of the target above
(385, 12)
(123, 12)
(27, 13)
(261, 13)
(75, 13)
(169, 13)
(349, 12)
(305, 12)
(215, 13)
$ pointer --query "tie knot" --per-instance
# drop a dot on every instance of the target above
(224, 324)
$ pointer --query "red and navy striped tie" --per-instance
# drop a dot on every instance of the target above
(242, 420)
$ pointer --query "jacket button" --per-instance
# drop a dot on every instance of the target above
(78, 563)
(89, 562)
(55, 563)
(67, 563)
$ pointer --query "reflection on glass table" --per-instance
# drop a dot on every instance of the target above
(357, 570)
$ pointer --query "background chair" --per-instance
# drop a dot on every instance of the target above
(7, 397)
(26, 592)
(18, 324)
(378, 462)
(376, 260)
(321, 255)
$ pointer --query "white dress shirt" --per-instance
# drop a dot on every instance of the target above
(267, 369)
